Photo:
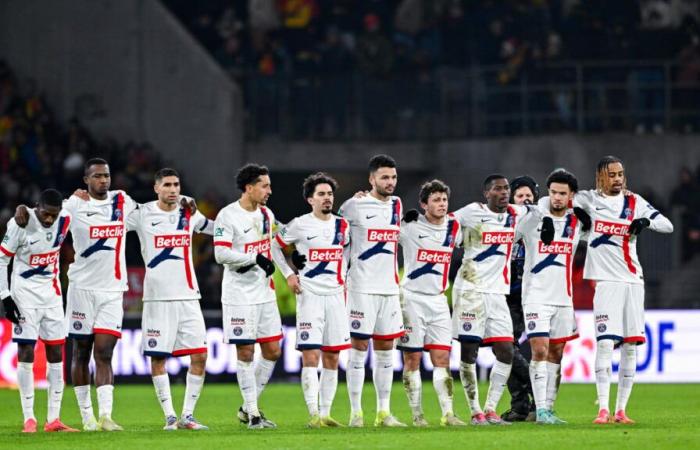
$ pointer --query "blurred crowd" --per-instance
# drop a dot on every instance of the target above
(686, 197)
(38, 152)
(305, 55)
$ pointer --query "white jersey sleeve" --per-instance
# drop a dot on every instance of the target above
(99, 229)
(36, 253)
(374, 234)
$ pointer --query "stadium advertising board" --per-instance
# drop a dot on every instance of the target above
(670, 355)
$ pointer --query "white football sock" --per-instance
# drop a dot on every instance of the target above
(497, 382)
(192, 390)
(309, 384)
(356, 378)
(263, 372)
(470, 382)
(383, 377)
(443, 384)
(82, 395)
(105, 399)
(25, 379)
(603, 370)
(628, 368)
(538, 378)
(246, 382)
(553, 380)
(54, 375)
(162, 385)
(329, 384)
(412, 384)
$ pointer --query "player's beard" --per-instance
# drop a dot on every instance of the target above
(326, 209)
(384, 192)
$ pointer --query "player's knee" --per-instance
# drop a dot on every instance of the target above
(411, 360)
(103, 355)
(157, 366)
(503, 352)
(440, 358)
(25, 353)
(271, 352)
(469, 352)
(360, 344)
(310, 358)
(539, 349)
(556, 352)
(54, 353)
(81, 353)
(330, 360)
(245, 353)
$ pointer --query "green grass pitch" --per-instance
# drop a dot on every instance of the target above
(667, 417)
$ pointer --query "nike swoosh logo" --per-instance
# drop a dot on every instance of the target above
(245, 231)
(369, 217)
(308, 238)
(90, 214)
(486, 220)
(599, 209)
(33, 242)
(153, 224)
(420, 236)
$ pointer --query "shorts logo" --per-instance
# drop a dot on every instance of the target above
(152, 343)
(467, 326)
(602, 327)
(532, 316)
(77, 326)
(18, 330)
(355, 324)
(78, 315)
(531, 325)
(304, 335)
(404, 338)
(354, 314)
(237, 331)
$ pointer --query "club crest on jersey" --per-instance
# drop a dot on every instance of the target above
(569, 231)
(628, 212)
(49, 236)
(339, 237)
(117, 214)
(184, 223)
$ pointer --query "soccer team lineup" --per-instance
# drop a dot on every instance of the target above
(343, 269)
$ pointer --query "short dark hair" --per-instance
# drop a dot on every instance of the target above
(430, 187)
(524, 181)
(489, 179)
(249, 174)
(379, 161)
(94, 162)
(165, 172)
(565, 177)
(51, 197)
(314, 180)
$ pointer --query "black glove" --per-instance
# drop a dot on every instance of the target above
(298, 260)
(265, 264)
(411, 215)
(244, 269)
(638, 225)
(11, 311)
(583, 217)
(547, 231)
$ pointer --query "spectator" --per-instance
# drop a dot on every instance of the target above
(686, 196)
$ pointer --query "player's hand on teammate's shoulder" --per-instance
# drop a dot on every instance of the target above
(11, 310)
(361, 194)
(188, 203)
(411, 215)
(82, 194)
(22, 216)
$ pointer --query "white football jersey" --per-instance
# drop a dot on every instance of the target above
(239, 236)
(427, 254)
(166, 247)
(488, 239)
(374, 234)
(612, 251)
(36, 252)
(322, 242)
(548, 268)
(99, 231)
